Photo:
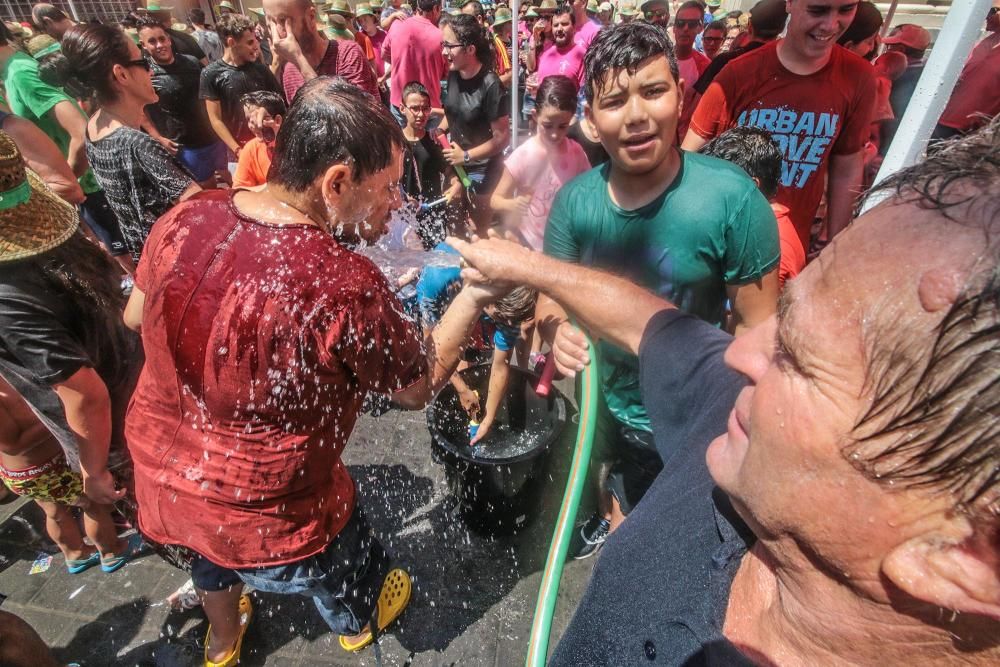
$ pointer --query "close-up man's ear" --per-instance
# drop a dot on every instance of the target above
(959, 574)
(336, 176)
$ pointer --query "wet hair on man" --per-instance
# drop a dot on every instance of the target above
(754, 151)
(333, 121)
(270, 101)
(624, 47)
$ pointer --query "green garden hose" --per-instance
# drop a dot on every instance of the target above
(538, 641)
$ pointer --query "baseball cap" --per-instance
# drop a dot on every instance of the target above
(909, 34)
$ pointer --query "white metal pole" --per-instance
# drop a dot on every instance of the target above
(962, 26)
(72, 10)
(515, 9)
(888, 17)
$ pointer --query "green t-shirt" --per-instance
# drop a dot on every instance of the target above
(30, 97)
(710, 228)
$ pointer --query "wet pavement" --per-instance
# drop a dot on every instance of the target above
(473, 596)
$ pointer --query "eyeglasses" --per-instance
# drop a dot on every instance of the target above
(421, 109)
(451, 45)
(141, 62)
(712, 39)
(687, 23)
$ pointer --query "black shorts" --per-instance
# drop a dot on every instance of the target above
(626, 460)
(97, 214)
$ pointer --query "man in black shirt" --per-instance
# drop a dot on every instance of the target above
(182, 42)
(831, 483)
(179, 115)
(225, 81)
(767, 20)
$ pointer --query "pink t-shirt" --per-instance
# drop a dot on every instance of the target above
(586, 33)
(413, 48)
(542, 170)
(568, 62)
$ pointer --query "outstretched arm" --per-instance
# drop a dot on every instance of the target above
(612, 308)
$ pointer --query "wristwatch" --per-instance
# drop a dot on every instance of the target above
(465, 157)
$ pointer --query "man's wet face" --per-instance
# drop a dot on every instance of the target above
(636, 115)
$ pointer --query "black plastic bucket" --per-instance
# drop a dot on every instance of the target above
(497, 483)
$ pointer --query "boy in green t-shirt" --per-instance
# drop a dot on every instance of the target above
(691, 228)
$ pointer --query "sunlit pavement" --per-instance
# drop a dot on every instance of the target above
(473, 597)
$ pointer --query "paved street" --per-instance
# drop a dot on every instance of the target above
(473, 597)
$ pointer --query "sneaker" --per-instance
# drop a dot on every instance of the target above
(590, 538)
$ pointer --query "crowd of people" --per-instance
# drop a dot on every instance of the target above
(190, 327)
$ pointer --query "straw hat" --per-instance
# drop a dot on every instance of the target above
(503, 15)
(40, 46)
(627, 8)
(341, 8)
(33, 219)
(547, 7)
(225, 4)
(363, 9)
(259, 11)
(532, 14)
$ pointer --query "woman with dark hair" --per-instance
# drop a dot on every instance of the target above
(535, 172)
(66, 352)
(861, 37)
(141, 179)
(476, 108)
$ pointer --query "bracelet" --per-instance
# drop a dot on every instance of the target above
(465, 157)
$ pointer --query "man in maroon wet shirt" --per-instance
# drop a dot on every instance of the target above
(263, 332)
(303, 52)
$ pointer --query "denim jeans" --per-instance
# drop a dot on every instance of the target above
(344, 580)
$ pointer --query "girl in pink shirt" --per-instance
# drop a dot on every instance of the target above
(534, 172)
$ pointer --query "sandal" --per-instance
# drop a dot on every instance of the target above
(79, 565)
(246, 611)
(135, 547)
(395, 595)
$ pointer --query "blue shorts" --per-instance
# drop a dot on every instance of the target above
(344, 580)
(205, 161)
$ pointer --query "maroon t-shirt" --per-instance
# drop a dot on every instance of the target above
(342, 58)
(261, 341)
(811, 117)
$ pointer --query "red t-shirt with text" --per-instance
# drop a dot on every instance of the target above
(811, 117)
(261, 342)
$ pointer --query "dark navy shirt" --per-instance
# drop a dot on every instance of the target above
(661, 584)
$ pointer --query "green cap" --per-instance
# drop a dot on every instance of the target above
(592, 6)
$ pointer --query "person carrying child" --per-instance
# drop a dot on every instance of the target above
(264, 110)
(67, 365)
(539, 167)
(32, 464)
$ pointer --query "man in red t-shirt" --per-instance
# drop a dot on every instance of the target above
(263, 332)
(412, 50)
(688, 25)
(976, 98)
(302, 52)
(814, 97)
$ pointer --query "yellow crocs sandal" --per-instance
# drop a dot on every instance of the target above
(231, 660)
(392, 601)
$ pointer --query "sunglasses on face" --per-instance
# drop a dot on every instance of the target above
(687, 23)
(656, 14)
